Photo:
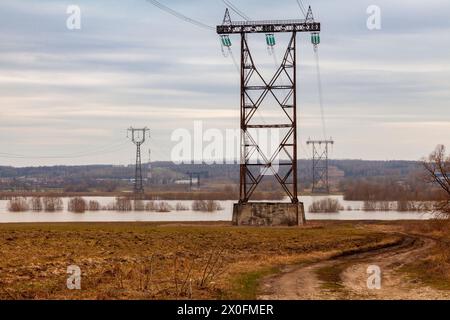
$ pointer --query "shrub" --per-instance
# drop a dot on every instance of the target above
(206, 205)
(94, 205)
(77, 205)
(123, 204)
(163, 207)
(52, 204)
(327, 205)
(370, 206)
(181, 207)
(36, 204)
(150, 206)
(18, 204)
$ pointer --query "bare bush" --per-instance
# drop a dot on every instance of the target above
(385, 205)
(109, 207)
(212, 268)
(18, 204)
(94, 205)
(201, 273)
(150, 206)
(77, 205)
(36, 204)
(327, 205)
(400, 206)
(206, 205)
(369, 206)
(123, 204)
(163, 207)
(181, 207)
(52, 204)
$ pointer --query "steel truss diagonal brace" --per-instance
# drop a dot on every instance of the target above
(252, 97)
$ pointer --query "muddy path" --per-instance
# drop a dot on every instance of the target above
(346, 277)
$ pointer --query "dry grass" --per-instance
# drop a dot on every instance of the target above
(155, 261)
(434, 269)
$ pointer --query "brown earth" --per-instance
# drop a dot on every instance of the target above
(346, 277)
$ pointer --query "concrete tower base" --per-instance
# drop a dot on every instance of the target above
(268, 214)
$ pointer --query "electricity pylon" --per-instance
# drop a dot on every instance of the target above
(138, 138)
(320, 165)
(255, 90)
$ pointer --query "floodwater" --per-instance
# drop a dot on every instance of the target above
(189, 215)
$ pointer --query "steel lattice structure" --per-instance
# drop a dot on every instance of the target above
(285, 95)
(138, 138)
(320, 165)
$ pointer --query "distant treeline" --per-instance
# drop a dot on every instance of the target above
(390, 189)
(372, 168)
(351, 168)
(108, 178)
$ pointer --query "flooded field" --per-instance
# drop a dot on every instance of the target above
(353, 210)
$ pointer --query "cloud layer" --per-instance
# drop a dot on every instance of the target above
(70, 92)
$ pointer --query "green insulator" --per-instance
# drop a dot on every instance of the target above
(270, 39)
(315, 38)
(226, 41)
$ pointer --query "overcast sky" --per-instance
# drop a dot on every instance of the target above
(67, 96)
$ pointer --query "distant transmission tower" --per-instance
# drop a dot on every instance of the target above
(320, 165)
(138, 138)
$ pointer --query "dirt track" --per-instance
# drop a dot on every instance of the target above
(349, 276)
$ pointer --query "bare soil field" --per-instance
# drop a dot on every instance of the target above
(181, 260)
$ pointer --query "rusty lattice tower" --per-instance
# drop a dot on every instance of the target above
(282, 86)
(253, 96)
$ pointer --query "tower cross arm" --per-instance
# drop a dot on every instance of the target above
(268, 26)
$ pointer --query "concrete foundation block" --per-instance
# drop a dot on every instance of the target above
(268, 214)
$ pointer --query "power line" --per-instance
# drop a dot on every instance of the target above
(102, 150)
(319, 83)
(179, 15)
(234, 60)
(302, 7)
(236, 10)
